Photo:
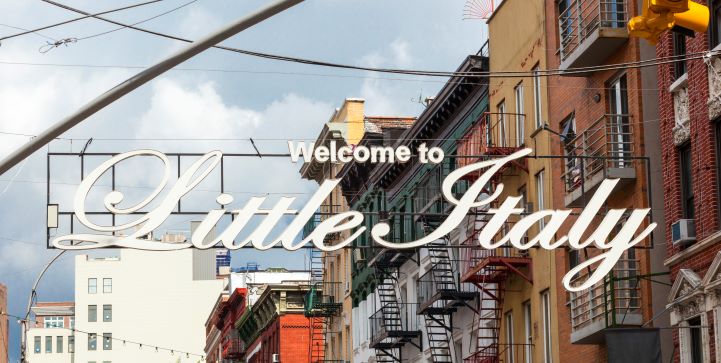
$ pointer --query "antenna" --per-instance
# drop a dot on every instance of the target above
(420, 99)
(478, 9)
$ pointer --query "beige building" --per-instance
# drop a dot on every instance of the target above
(51, 339)
(517, 287)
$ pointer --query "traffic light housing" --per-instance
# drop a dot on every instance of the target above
(659, 16)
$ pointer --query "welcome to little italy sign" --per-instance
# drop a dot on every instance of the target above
(628, 236)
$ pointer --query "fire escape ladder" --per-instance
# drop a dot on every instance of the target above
(488, 324)
(318, 330)
(391, 310)
(318, 322)
(439, 339)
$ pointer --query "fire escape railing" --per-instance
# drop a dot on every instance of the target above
(583, 17)
(394, 324)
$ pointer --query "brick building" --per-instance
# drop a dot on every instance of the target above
(275, 328)
(604, 126)
(223, 343)
(690, 115)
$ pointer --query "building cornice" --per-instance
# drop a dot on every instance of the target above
(693, 250)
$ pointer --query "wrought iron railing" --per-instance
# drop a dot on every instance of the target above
(324, 298)
(428, 285)
(473, 256)
(583, 17)
(493, 131)
(394, 318)
(609, 301)
(506, 353)
(232, 346)
(607, 143)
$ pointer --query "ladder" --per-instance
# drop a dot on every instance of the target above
(437, 325)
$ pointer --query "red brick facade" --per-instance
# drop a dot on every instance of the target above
(287, 335)
(702, 141)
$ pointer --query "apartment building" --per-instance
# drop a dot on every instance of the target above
(50, 338)
(159, 299)
(518, 290)
(331, 305)
(604, 124)
(690, 126)
(415, 305)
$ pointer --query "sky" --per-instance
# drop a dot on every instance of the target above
(215, 95)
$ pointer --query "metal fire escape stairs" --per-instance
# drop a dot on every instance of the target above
(442, 298)
(489, 271)
(393, 310)
(320, 307)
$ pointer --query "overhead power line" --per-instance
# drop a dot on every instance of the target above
(580, 71)
(27, 31)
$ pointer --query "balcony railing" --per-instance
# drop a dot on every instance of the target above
(494, 133)
(604, 150)
(506, 353)
(615, 301)
(438, 294)
(394, 325)
(324, 299)
(479, 265)
(232, 346)
(591, 30)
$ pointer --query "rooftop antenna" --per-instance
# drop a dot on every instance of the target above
(420, 99)
(478, 9)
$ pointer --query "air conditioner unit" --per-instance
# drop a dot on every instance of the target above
(683, 232)
(276, 358)
(358, 255)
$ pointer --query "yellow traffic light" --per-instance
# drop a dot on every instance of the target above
(660, 16)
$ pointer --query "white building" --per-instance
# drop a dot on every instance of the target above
(256, 281)
(50, 338)
(154, 298)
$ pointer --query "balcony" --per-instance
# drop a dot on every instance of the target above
(394, 325)
(324, 299)
(439, 292)
(480, 266)
(502, 353)
(606, 150)
(232, 346)
(492, 134)
(590, 31)
(613, 302)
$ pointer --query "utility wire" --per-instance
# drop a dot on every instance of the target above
(27, 31)
(125, 341)
(579, 71)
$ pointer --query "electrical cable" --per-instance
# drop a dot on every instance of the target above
(580, 71)
(27, 31)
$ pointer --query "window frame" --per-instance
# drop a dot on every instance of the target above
(92, 285)
(59, 344)
(537, 97)
(92, 341)
(540, 195)
(37, 344)
(546, 326)
(48, 344)
(678, 48)
(528, 330)
(107, 288)
(107, 313)
(508, 319)
(92, 317)
(107, 341)
(520, 115)
(501, 124)
(685, 164)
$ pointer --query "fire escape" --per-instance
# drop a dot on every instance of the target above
(489, 270)
(322, 302)
(392, 326)
(439, 288)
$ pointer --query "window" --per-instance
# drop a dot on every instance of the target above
(528, 328)
(107, 341)
(540, 198)
(546, 311)
(71, 344)
(619, 144)
(696, 343)
(574, 258)
(715, 26)
(72, 322)
(509, 337)
(107, 313)
(520, 116)
(92, 286)
(36, 345)
(537, 117)
(92, 341)
(565, 21)
(687, 201)
(59, 344)
(502, 142)
(54, 322)
(92, 313)
(679, 49)
(48, 344)
(107, 286)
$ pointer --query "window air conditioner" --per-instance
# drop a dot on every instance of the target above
(276, 358)
(358, 255)
(683, 232)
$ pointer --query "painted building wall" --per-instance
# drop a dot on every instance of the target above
(516, 43)
(171, 312)
(586, 99)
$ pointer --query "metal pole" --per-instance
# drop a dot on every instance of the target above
(143, 77)
(24, 322)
